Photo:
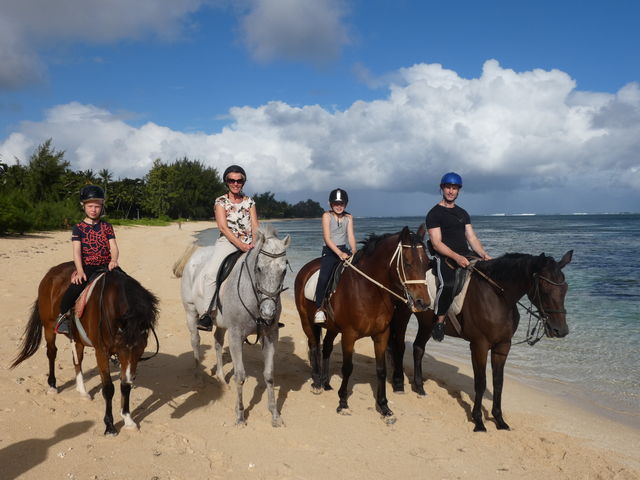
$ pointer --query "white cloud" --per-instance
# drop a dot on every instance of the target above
(502, 131)
(27, 25)
(307, 30)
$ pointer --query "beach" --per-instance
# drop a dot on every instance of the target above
(187, 428)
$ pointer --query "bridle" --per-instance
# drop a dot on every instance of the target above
(398, 256)
(261, 295)
(541, 314)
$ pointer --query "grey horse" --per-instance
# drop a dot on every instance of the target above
(250, 300)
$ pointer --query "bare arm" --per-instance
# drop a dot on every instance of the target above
(115, 253)
(351, 235)
(255, 225)
(223, 226)
(473, 240)
(435, 236)
(78, 276)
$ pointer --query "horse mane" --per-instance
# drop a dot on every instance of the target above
(369, 245)
(268, 230)
(507, 268)
(142, 307)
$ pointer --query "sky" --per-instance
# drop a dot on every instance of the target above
(535, 104)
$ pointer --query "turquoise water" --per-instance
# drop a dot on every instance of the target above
(598, 361)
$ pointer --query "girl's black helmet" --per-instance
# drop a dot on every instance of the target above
(233, 169)
(339, 195)
(91, 192)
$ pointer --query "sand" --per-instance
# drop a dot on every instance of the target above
(187, 428)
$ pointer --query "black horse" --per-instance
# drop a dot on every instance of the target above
(489, 319)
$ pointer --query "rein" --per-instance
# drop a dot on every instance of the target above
(397, 255)
(535, 333)
(273, 296)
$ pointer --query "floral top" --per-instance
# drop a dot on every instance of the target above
(238, 216)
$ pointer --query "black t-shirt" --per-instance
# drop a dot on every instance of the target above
(452, 223)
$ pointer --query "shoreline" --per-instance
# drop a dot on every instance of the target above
(186, 426)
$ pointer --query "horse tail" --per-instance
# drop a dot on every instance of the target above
(142, 311)
(178, 267)
(32, 337)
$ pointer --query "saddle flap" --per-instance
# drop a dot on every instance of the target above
(82, 300)
(223, 273)
(312, 282)
(310, 286)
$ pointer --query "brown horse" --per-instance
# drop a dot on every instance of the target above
(116, 321)
(489, 319)
(390, 268)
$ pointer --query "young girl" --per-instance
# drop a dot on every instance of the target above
(340, 243)
(94, 248)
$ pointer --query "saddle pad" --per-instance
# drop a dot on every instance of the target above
(458, 300)
(85, 295)
(310, 286)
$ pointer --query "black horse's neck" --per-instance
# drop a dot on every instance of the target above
(513, 272)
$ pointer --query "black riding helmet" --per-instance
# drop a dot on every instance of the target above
(339, 195)
(91, 192)
(234, 169)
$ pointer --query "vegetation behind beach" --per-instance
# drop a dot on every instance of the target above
(43, 193)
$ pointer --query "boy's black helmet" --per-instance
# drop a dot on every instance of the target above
(339, 195)
(233, 169)
(91, 192)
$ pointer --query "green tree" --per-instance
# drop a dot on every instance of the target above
(268, 207)
(307, 209)
(46, 173)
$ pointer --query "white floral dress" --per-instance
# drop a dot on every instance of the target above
(238, 216)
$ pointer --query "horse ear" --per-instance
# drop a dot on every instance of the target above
(422, 230)
(566, 258)
(405, 232)
(286, 241)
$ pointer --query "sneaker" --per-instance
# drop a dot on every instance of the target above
(205, 322)
(62, 325)
(438, 332)
(319, 317)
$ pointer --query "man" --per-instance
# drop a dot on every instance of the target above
(450, 235)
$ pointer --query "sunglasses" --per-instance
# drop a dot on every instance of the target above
(239, 181)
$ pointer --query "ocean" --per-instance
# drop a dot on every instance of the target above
(597, 364)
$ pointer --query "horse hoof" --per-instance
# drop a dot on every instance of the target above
(52, 391)
(480, 428)
(111, 432)
(327, 387)
(85, 396)
(277, 422)
(399, 390)
(316, 390)
(389, 420)
(503, 426)
(420, 391)
(241, 423)
(344, 411)
(131, 428)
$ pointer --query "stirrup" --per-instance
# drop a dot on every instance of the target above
(205, 322)
(62, 324)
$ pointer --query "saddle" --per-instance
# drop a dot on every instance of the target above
(225, 270)
(332, 285)
(81, 303)
(460, 285)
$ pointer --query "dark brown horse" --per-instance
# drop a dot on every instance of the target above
(390, 269)
(116, 321)
(489, 319)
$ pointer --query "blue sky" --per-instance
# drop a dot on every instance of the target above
(535, 104)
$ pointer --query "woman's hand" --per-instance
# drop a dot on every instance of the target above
(343, 256)
(113, 264)
(245, 247)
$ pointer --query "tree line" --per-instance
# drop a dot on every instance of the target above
(43, 193)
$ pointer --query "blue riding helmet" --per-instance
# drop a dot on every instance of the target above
(451, 178)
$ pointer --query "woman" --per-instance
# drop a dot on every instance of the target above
(237, 219)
